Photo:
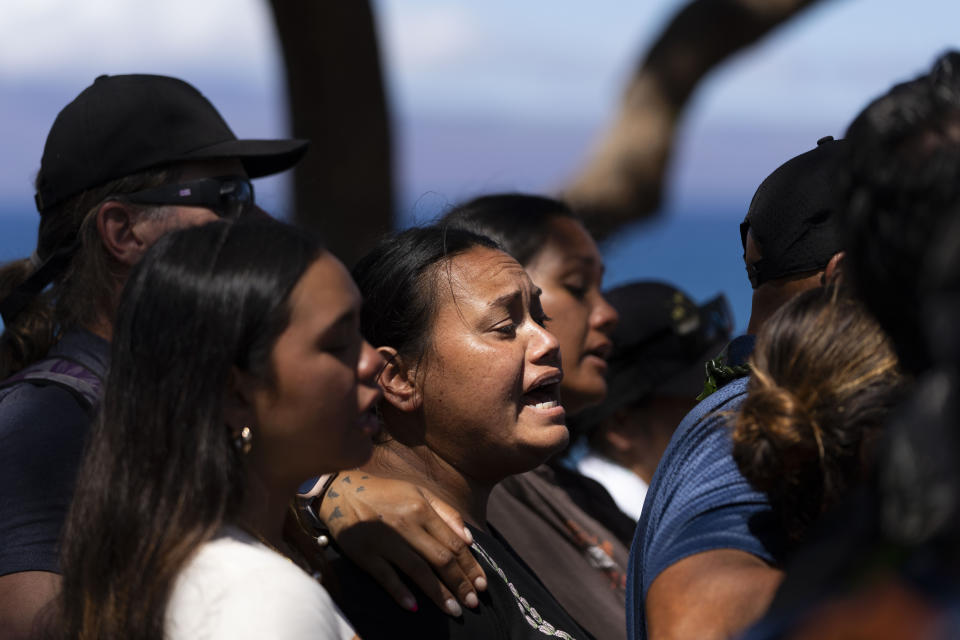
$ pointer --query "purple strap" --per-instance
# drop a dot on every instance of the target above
(64, 373)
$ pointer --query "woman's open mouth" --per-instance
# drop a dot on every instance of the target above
(543, 395)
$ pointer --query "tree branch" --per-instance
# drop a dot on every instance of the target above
(622, 181)
(343, 188)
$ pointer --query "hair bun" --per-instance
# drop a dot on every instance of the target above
(777, 445)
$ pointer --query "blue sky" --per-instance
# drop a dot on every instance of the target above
(489, 95)
(499, 94)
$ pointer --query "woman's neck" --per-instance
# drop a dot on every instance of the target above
(264, 510)
(422, 466)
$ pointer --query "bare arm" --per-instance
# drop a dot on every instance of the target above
(386, 526)
(23, 597)
(710, 595)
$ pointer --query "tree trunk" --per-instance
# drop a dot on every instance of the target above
(622, 181)
(343, 188)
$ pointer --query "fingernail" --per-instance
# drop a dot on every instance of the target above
(453, 608)
(409, 604)
(471, 600)
(469, 535)
(480, 583)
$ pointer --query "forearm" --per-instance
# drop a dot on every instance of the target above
(386, 526)
(25, 602)
(711, 595)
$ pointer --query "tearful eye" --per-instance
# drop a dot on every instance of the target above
(509, 330)
(542, 319)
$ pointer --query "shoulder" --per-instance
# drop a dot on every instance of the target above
(51, 408)
(698, 499)
(699, 450)
(233, 588)
(25, 405)
(42, 430)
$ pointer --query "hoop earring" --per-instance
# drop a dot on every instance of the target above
(244, 440)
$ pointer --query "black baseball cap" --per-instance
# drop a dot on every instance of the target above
(660, 346)
(793, 215)
(124, 124)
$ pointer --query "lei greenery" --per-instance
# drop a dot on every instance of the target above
(720, 373)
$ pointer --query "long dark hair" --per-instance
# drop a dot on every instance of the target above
(518, 222)
(901, 197)
(84, 287)
(161, 474)
(901, 225)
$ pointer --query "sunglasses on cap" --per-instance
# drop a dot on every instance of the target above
(227, 196)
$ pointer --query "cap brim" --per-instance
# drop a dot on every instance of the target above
(259, 157)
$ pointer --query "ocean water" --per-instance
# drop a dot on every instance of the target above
(18, 233)
(701, 254)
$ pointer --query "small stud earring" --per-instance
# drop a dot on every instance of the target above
(244, 440)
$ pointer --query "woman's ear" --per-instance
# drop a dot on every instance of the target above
(239, 409)
(398, 381)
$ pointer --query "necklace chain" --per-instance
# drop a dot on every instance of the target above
(530, 614)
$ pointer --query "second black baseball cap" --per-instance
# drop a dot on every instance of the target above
(660, 346)
(793, 215)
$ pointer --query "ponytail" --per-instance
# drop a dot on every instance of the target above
(780, 447)
(84, 283)
(29, 334)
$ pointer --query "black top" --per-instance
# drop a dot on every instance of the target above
(595, 500)
(515, 604)
(42, 429)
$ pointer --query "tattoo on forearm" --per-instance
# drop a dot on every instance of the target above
(333, 494)
(364, 477)
(346, 479)
(336, 514)
(360, 488)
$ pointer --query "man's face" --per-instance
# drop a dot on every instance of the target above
(149, 228)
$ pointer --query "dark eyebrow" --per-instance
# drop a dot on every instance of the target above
(505, 299)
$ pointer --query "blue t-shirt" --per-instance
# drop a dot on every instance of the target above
(42, 430)
(698, 500)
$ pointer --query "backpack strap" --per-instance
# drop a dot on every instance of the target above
(85, 385)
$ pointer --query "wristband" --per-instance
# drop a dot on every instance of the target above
(308, 514)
